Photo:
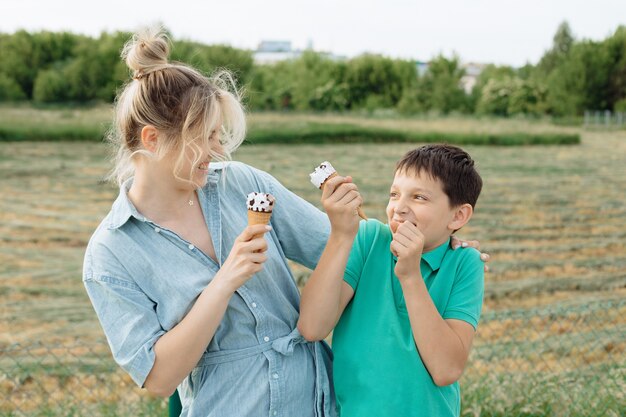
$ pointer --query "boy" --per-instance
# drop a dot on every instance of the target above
(405, 304)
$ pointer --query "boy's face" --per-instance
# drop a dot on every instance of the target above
(419, 199)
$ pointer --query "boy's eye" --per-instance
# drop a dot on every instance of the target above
(419, 197)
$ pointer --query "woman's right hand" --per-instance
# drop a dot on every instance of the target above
(246, 258)
(341, 198)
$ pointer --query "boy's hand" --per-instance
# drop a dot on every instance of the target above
(341, 198)
(407, 245)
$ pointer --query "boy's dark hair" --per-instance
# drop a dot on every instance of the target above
(449, 164)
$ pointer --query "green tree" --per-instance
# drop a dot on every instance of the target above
(581, 81)
(442, 85)
(495, 96)
(10, 89)
(562, 43)
(270, 87)
(373, 75)
(616, 46)
(209, 58)
(24, 54)
(51, 86)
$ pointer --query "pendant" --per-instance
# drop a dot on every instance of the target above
(191, 202)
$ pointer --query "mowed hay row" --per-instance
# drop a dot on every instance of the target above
(560, 337)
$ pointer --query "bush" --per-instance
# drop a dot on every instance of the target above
(10, 90)
(50, 86)
(621, 105)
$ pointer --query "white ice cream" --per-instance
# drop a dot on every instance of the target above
(261, 202)
(321, 174)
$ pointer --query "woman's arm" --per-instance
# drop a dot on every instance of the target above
(179, 350)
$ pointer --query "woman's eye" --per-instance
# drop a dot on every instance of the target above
(393, 194)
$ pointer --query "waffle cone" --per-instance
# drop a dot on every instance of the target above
(258, 217)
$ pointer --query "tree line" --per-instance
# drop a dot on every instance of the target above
(571, 77)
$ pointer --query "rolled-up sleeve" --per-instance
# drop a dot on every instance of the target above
(128, 318)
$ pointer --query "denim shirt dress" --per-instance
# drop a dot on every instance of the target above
(142, 280)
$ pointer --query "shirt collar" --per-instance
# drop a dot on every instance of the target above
(123, 209)
(434, 257)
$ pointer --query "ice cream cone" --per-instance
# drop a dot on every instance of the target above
(260, 206)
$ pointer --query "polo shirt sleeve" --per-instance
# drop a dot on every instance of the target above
(126, 314)
(359, 252)
(302, 229)
(466, 297)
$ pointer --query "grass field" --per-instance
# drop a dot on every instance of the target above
(552, 337)
(90, 125)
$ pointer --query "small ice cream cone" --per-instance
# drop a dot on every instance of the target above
(260, 206)
(323, 173)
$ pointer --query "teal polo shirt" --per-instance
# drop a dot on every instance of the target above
(377, 368)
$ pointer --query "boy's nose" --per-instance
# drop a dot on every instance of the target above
(401, 208)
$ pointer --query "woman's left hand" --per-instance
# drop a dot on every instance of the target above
(458, 243)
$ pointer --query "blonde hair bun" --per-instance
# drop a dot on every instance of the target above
(147, 51)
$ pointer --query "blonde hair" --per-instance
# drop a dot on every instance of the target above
(185, 106)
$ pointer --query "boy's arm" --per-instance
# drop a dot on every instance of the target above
(443, 345)
(325, 294)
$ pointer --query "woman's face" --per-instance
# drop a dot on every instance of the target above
(194, 166)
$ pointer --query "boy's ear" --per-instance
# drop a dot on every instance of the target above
(149, 137)
(462, 215)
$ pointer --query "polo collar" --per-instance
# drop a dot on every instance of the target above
(434, 257)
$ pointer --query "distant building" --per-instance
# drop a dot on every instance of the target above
(274, 46)
(422, 67)
(472, 72)
(271, 52)
(468, 81)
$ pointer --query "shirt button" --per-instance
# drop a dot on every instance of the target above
(156, 229)
(191, 247)
(275, 375)
(267, 339)
(253, 305)
(274, 413)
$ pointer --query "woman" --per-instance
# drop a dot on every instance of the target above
(188, 295)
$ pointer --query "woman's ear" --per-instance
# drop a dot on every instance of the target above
(149, 138)
(462, 215)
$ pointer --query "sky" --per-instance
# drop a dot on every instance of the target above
(503, 32)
